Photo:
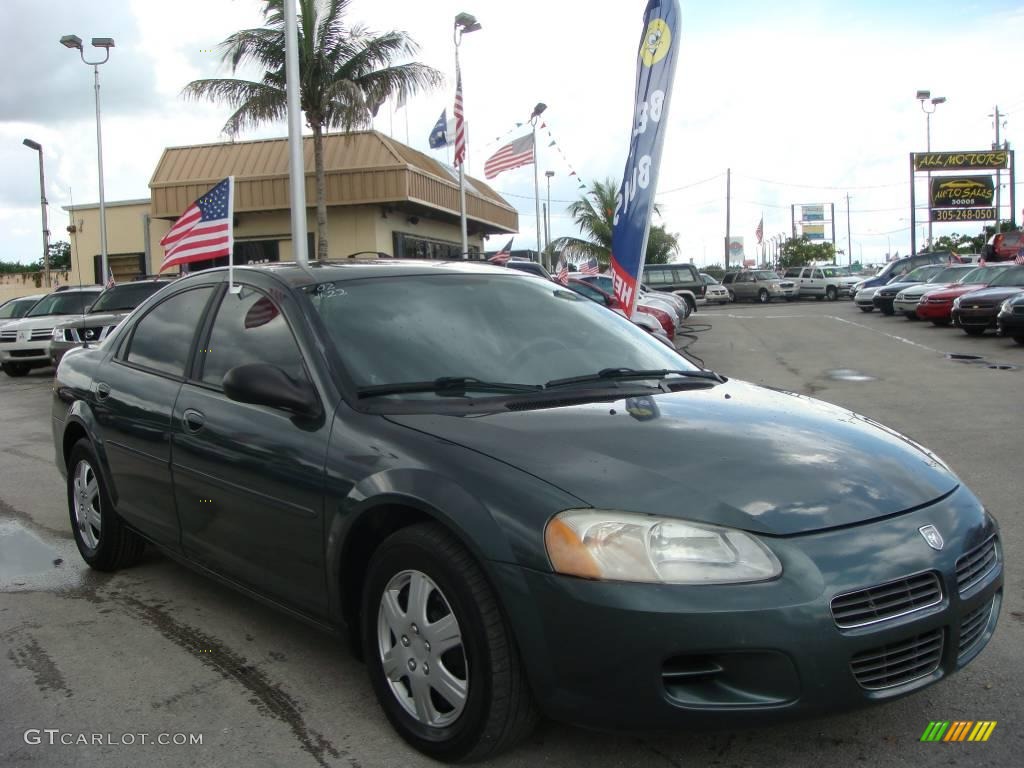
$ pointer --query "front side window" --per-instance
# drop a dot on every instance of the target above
(162, 340)
(729, 278)
(249, 328)
(390, 330)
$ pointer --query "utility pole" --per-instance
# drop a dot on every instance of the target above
(849, 240)
(996, 116)
(728, 213)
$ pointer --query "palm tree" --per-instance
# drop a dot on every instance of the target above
(593, 214)
(346, 73)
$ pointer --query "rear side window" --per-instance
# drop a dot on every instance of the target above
(686, 275)
(162, 340)
(249, 328)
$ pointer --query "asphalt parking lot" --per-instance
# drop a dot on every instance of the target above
(158, 649)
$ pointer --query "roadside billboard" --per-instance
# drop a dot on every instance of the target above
(812, 212)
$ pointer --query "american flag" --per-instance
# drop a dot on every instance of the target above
(501, 257)
(260, 313)
(204, 230)
(460, 123)
(590, 267)
(759, 232)
(563, 273)
(110, 278)
(1020, 257)
(512, 155)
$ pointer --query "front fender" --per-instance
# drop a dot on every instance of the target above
(80, 417)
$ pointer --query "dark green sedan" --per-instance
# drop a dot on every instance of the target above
(517, 504)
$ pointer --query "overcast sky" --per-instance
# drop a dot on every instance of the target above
(806, 101)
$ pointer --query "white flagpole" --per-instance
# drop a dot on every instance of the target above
(296, 162)
(232, 288)
(536, 188)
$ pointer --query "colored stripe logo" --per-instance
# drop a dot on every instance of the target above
(958, 730)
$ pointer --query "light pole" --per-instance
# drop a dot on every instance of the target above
(925, 97)
(106, 43)
(464, 22)
(547, 220)
(538, 110)
(42, 204)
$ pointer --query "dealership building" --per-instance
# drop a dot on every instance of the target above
(382, 196)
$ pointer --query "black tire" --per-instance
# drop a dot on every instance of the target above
(117, 546)
(691, 304)
(1019, 340)
(763, 297)
(911, 316)
(887, 311)
(16, 370)
(866, 309)
(831, 293)
(940, 323)
(498, 711)
(970, 331)
(732, 295)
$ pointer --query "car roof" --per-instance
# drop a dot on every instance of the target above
(335, 271)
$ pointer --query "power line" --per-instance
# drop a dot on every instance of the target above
(823, 186)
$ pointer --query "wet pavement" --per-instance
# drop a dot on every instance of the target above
(160, 649)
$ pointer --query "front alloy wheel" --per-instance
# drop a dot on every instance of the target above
(763, 297)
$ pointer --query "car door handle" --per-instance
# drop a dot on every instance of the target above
(102, 391)
(193, 420)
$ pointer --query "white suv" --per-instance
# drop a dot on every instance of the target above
(25, 343)
(822, 282)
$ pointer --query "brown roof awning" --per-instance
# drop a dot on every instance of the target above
(364, 167)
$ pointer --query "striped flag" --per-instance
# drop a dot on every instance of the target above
(460, 122)
(110, 278)
(563, 273)
(590, 267)
(1020, 257)
(501, 257)
(204, 230)
(512, 155)
(759, 232)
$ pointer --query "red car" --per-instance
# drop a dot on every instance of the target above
(938, 306)
(592, 292)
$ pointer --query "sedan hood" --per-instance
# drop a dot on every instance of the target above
(990, 296)
(40, 321)
(739, 455)
(97, 319)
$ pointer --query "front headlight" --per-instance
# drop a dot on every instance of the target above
(858, 286)
(624, 546)
(956, 303)
(1004, 308)
(61, 334)
(900, 297)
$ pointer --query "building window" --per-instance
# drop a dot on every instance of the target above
(245, 252)
(125, 267)
(413, 247)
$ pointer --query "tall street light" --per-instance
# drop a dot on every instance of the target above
(42, 204)
(538, 110)
(925, 97)
(464, 23)
(106, 43)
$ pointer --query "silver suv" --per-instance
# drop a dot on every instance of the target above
(760, 285)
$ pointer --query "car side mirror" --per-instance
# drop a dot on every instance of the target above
(265, 384)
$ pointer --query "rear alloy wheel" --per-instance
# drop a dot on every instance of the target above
(441, 656)
(15, 370)
(103, 540)
(970, 331)
(831, 293)
(763, 297)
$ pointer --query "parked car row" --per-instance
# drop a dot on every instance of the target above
(36, 331)
(972, 298)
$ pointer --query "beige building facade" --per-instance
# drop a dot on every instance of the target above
(382, 196)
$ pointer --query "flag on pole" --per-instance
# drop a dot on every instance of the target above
(501, 257)
(1020, 257)
(759, 232)
(110, 278)
(590, 267)
(204, 230)
(460, 123)
(513, 155)
(631, 219)
(439, 134)
(563, 273)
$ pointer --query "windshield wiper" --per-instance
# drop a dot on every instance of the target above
(623, 374)
(451, 386)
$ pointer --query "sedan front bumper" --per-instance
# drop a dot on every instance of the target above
(981, 317)
(652, 656)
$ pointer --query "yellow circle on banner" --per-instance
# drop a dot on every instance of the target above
(657, 41)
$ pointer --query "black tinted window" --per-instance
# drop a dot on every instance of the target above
(163, 338)
(249, 328)
(125, 296)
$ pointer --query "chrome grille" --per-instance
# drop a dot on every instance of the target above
(973, 626)
(886, 601)
(976, 565)
(898, 663)
(42, 334)
(8, 336)
(939, 301)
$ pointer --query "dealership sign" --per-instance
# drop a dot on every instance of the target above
(813, 212)
(963, 214)
(962, 161)
(962, 191)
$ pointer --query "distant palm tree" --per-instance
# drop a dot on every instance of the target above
(593, 215)
(346, 73)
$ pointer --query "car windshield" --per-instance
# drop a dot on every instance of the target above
(64, 303)
(765, 274)
(918, 275)
(403, 329)
(16, 308)
(949, 275)
(125, 296)
(981, 275)
(1009, 277)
